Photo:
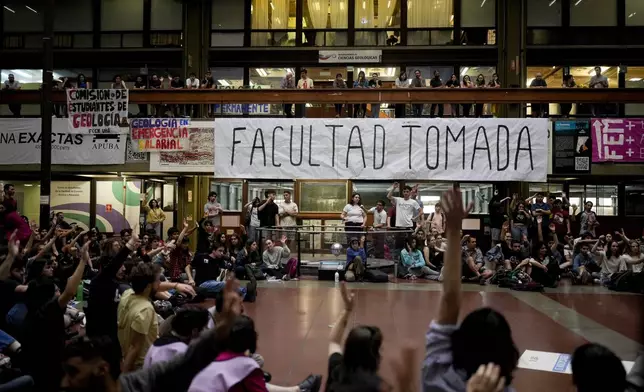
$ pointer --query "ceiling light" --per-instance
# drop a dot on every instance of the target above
(577, 3)
(29, 184)
(633, 14)
(224, 83)
(261, 72)
(483, 3)
(464, 70)
(9, 9)
(635, 79)
(552, 3)
(31, 9)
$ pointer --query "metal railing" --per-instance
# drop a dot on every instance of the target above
(320, 241)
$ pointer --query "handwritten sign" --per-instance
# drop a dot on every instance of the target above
(437, 149)
(245, 108)
(160, 134)
(97, 110)
(618, 140)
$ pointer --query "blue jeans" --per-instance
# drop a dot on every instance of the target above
(214, 286)
(518, 232)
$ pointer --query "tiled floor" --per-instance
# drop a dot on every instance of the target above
(293, 321)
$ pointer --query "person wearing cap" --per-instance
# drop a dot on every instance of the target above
(356, 260)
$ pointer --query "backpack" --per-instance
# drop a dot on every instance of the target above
(626, 281)
(291, 268)
(529, 286)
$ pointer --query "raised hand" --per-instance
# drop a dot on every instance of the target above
(452, 203)
(486, 379)
(347, 297)
(14, 244)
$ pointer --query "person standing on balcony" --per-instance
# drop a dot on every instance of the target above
(597, 81)
(360, 109)
(339, 83)
(176, 84)
(192, 83)
(288, 83)
(495, 83)
(478, 107)
(12, 85)
(401, 82)
(539, 109)
(304, 83)
(375, 83)
(453, 83)
(467, 83)
(140, 84)
(418, 82)
(568, 82)
(436, 82)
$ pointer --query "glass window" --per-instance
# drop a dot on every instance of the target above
(552, 75)
(273, 14)
(634, 196)
(229, 194)
(323, 196)
(32, 78)
(121, 15)
(634, 79)
(372, 192)
(228, 77)
(593, 12)
(72, 15)
(377, 14)
(21, 16)
(544, 13)
(583, 74)
(258, 188)
(269, 77)
(634, 13)
(166, 15)
(227, 15)
(603, 197)
(169, 204)
(480, 194)
(325, 14)
(478, 13)
(546, 189)
(430, 13)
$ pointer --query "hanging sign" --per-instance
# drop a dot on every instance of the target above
(618, 140)
(96, 110)
(160, 134)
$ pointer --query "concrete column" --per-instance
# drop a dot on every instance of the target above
(511, 39)
(196, 37)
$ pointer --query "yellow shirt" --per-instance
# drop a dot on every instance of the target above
(136, 314)
(155, 215)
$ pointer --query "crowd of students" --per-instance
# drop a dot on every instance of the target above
(204, 342)
(532, 243)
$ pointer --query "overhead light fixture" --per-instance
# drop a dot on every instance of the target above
(635, 79)
(633, 14)
(224, 83)
(577, 3)
(29, 184)
(21, 73)
(31, 9)
(552, 3)
(464, 70)
(9, 9)
(483, 3)
(262, 72)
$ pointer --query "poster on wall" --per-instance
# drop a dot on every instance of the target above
(618, 140)
(96, 110)
(419, 149)
(72, 199)
(117, 207)
(349, 56)
(197, 158)
(254, 109)
(572, 145)
(20, 141)
(160, 134)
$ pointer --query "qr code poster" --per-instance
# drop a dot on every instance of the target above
(582, 163)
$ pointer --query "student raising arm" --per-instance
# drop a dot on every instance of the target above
(454, 353)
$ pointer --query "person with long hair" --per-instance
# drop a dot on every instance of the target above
(252, 218)
(360, 109)
(467, 83)
(401, 82)
(478, 107)
(354, 216)
(455, 353)
(155, 216)
(610, 260)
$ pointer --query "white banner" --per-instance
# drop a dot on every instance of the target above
(352, 56)
(413, 149)
(20, 141)
(96, 110)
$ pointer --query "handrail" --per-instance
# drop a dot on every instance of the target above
(330, 96)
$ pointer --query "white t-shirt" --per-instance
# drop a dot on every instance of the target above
(636, 267)
(353, 213)
(192, 83)
(406, 210)
(305, 83)
(287, 220)
(379, 218)
(254, 219)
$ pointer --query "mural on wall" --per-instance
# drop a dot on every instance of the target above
(117, 208)
(72, 199)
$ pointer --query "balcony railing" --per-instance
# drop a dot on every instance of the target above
(330, 96)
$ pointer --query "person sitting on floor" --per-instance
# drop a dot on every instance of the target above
(454, 353)
(473, 262)
(356, 260)
(610, 260)
(275, 258)
(236, 370)
(596, 368)
(414, 263)
(584, 266)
